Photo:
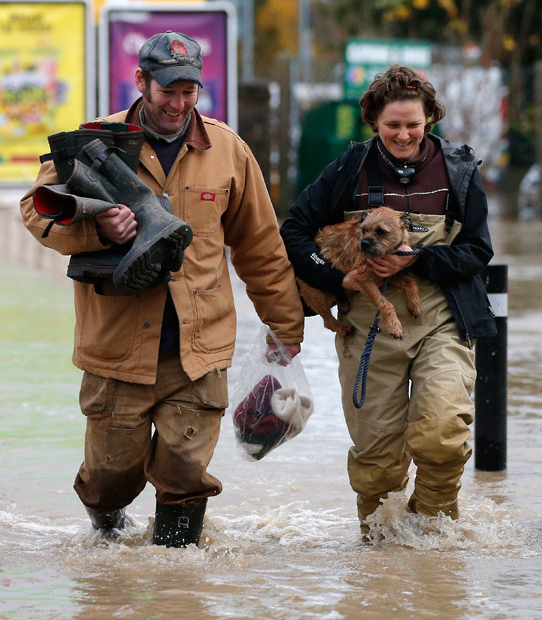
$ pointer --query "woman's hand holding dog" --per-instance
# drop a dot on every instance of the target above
(383, 267)
(390, 264)
(353, 280)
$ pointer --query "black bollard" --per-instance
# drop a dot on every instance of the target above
(491, 383)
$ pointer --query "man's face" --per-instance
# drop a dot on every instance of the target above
(167, 107)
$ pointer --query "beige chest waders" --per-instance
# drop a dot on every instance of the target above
(417, 405)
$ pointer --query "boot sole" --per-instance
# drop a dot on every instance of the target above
(102, 278)
(142, 265)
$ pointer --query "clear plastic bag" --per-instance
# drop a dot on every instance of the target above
(272, 400)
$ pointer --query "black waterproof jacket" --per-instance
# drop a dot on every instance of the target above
(455, 268)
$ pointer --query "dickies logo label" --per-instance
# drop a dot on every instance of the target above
(209, 196)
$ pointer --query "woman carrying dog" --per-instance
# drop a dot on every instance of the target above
(418, 404)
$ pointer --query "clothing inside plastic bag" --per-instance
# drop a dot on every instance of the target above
(272, 400)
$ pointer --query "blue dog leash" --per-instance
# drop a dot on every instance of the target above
(365, 357)
(363, 368)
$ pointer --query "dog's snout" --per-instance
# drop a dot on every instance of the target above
(367, 246)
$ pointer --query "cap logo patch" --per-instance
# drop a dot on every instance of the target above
(178, 50)
(207, 196)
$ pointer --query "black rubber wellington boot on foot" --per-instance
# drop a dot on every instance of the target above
(178, 526)
(114, 520)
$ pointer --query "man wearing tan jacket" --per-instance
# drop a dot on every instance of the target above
(159, 357)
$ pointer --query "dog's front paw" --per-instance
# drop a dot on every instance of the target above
(397, 335)
(413, 306)
(395, 328)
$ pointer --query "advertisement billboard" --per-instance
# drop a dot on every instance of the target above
(124, 29)
(45, 85)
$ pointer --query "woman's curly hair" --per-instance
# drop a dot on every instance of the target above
(399, 84)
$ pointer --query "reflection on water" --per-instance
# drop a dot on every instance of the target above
(282, 540)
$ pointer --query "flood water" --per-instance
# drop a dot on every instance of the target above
(282, 540)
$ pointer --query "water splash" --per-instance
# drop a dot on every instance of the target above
(482, 525)
(292, 525)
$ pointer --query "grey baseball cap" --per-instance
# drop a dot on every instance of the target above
(171, 57)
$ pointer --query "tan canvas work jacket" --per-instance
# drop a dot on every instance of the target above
(216, 186)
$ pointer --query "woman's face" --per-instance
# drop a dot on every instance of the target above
(400, 126)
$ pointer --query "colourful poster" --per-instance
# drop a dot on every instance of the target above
(123, 33)
(42, 81)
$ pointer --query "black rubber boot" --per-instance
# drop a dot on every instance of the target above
(161, 236)
(84, 181)
(57, 203)
(67, 203)
(127, 138)
(65, 146)
(99, 266)
(107, 520)
(178, 526)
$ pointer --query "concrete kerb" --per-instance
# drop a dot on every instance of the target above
(17, 245)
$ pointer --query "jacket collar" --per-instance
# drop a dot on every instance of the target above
(460, 164)
(196, 136)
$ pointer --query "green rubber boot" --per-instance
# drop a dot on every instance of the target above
(178, 526)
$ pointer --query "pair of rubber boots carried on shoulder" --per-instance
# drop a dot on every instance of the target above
(174, 526)
(96, 166)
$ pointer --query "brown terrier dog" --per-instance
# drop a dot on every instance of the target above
(346, 246)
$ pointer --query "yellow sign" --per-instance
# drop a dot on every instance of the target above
(98, 4)
(42, 80)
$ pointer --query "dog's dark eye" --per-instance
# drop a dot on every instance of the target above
(382, 232)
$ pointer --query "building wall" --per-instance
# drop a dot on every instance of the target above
(18, 245)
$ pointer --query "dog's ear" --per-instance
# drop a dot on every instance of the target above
(407, 221)
(363, 216)
(333, 238)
